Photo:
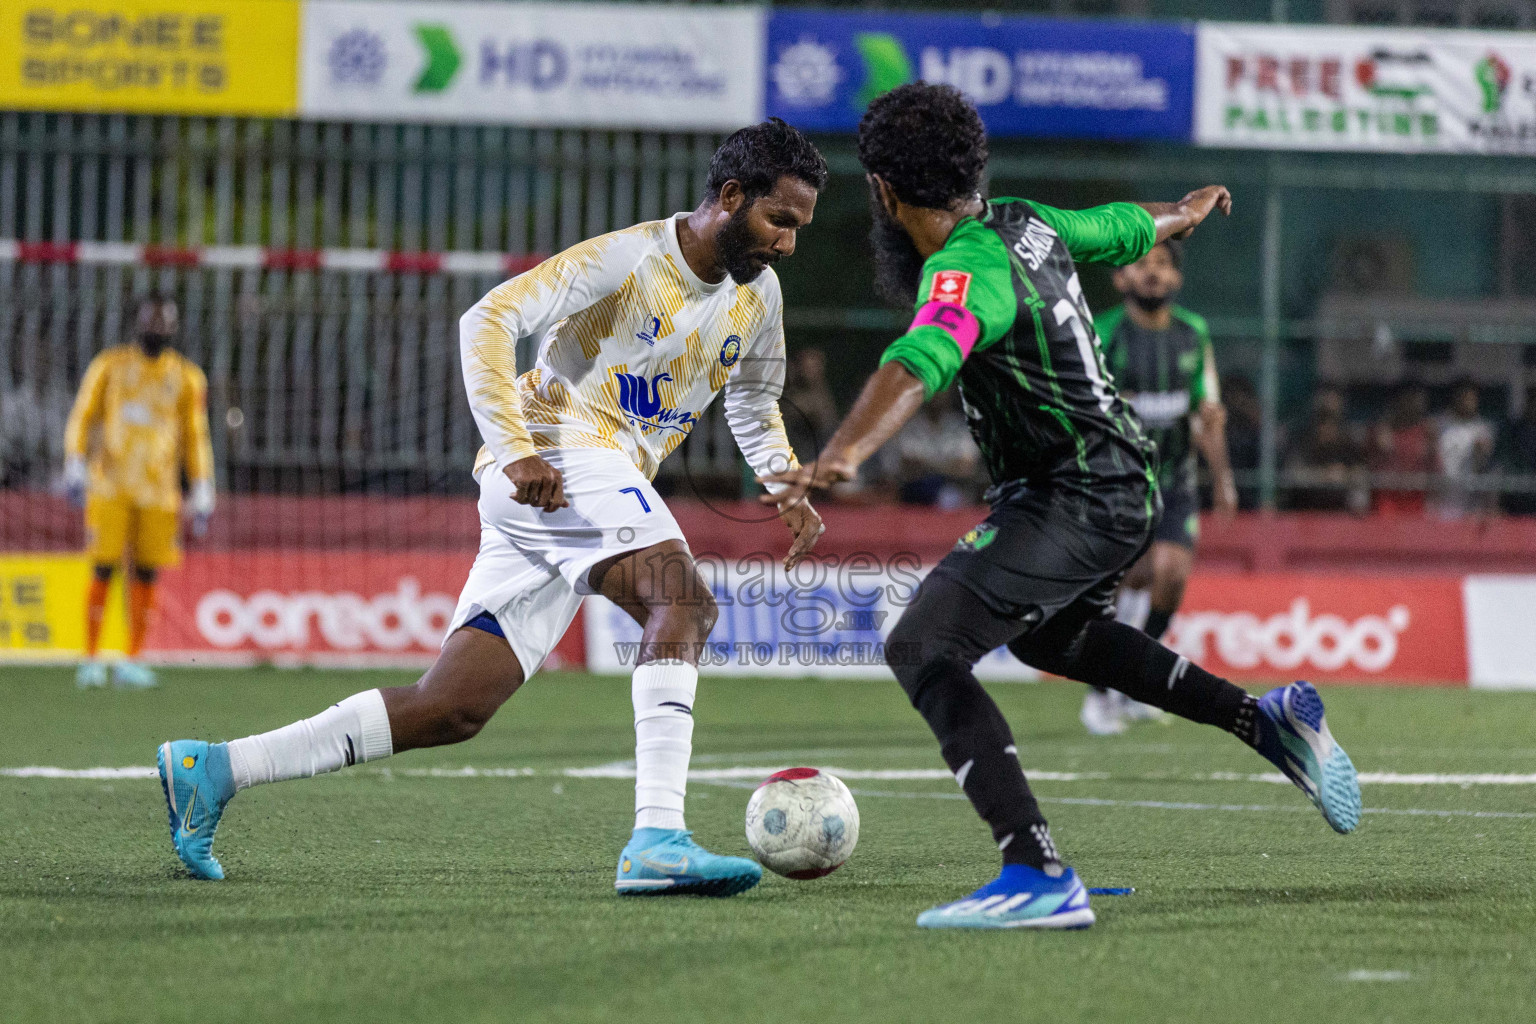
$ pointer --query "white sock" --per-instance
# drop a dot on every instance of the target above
(351, 732)
(663, 694)
(1132, 607)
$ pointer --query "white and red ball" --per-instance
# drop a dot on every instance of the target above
(802, 823)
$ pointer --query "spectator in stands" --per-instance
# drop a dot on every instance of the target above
(1518, 455)
(1245, 420)
(933, 458)
(1403, 442)
(810, 412)
(1464, 445)
(1328, 457)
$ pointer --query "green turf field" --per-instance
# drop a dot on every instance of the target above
(392, 893)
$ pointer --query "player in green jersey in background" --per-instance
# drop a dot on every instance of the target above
(999, 309)
(1161, 358)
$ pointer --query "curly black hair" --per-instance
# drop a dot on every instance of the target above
(759, 155)
(927, 142)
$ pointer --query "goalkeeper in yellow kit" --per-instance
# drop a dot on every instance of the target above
(141, 417)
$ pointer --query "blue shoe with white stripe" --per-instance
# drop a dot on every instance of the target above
(1294, 736)
(1020, 897)
(198, 783)
(667, 862)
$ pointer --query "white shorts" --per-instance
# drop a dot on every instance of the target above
(531, 571)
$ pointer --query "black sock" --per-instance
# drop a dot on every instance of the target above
(1157, 623)
(977, 744)
(1109, 653)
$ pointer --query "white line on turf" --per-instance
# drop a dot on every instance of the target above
(1377, 976)
(626, 770)
(743, 778)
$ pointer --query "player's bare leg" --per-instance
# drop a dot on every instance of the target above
(661, 590)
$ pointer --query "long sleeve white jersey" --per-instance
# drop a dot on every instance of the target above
(632, 348)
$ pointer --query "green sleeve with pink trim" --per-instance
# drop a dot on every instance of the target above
(964, 304)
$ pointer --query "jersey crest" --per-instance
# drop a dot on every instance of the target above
(950, 286)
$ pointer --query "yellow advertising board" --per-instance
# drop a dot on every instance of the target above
(42, 608)
(150, 56)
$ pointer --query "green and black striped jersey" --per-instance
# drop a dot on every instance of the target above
(1001, 309)
(1165, 375)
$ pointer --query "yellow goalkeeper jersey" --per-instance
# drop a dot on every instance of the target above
(139, 421)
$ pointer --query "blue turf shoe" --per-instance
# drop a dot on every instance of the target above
(91, 675)
(1294, 736)
(197, 783)
(667, 862)
(1020, 897)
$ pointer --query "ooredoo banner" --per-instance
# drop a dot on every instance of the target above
(1027, 76)
(1272, 626)
(567, 64)
(1385, 89)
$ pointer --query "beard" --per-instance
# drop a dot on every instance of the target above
(1151, 303)
(736, 252)
(898, 264)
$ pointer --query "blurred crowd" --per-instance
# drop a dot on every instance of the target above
(1410, 459)
(1449, 460)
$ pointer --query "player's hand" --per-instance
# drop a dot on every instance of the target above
(1198, 205)
(805, 525)
(1224, 498)
(537, 483)
(73, 482)
(831, 468)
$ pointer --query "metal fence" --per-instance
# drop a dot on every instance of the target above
(320, 378)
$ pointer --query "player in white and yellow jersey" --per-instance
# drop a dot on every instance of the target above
(636, 332)
(140, 419)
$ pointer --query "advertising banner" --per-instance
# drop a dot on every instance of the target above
(313, 607)
(828, 619)
(1382, 89)
(1262, 626)
(565, 64)
(1027, 76)
(1501, 631)
(153, 56)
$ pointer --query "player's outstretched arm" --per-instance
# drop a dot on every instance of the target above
(890, 398)
(1178, 220)
(83, 417)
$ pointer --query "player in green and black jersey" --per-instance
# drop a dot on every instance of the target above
(1074, 499)
(1161, 359)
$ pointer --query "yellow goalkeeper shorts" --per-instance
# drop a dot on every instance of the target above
(115, 526)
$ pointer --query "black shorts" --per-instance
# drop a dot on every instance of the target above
(1041, 553)
(1181, 517)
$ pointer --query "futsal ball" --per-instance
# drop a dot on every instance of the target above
(802, 823)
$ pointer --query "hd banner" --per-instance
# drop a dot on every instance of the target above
(1381, 89)
(151, 56)
(1028, 76)
(558, 64)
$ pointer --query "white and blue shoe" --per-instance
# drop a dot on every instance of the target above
(130, 675)
(91, 675)
(1294, 736)
(197, 783)
(1020, 897)
(667, 862)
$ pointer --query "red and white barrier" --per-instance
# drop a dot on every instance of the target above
(256, 257)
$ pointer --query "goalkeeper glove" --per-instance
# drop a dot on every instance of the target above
(200, 502)
(74, 480)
